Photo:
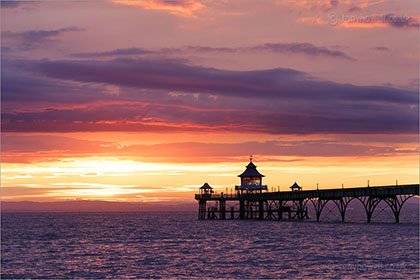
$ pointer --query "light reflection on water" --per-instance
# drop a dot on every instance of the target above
(176, 245)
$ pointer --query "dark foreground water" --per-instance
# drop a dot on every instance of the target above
(176, 245)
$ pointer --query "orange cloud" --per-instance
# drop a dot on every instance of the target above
(363, 24)
(313, 20)
(179, 8)
(377, 20)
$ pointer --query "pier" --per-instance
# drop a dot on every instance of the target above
(252, 200)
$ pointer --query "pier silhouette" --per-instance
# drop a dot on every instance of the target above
(254, 201)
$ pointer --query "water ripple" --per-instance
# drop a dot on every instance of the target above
(176, 245)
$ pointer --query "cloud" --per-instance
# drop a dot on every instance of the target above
(287, 48)
(304, 48)
(273, 101)
(402, 21)
(377, 20)
(380, 48)
(269, 148)
(22, 91)
(294, 48)
(5, 50)
(361, 21)
(178, 8)
(10, 4)
(52, 147)
(32, 39)
(117, 52)
(327, 6)
(175, 75)
(166, 118)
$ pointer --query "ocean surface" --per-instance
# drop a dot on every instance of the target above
(177, 245)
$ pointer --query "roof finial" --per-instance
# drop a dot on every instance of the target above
(250, 158)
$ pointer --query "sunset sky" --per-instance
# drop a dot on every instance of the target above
(144, 101)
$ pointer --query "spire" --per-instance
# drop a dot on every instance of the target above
(251, 170)
(295, 186)
(206, 187)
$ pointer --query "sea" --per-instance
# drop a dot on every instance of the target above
(176, 245)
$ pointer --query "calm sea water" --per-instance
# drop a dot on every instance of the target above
(176, 245)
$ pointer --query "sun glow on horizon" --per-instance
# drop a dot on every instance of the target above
(109, 178)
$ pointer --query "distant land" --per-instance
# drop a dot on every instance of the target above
(95, 206)
(113, 206)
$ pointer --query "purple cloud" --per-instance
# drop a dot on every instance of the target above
(22, 91)
(136, 117)
(32, 39)
(401, 21)
(294, 48)
(10, 3)
(304, 48)
(380, 48)
(175, 75)
(183, 97)
(117, 52)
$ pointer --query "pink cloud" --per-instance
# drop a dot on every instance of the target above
(39, 148)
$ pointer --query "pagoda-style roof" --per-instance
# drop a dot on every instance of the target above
(295, 186)
(206, 187)
(251, 171)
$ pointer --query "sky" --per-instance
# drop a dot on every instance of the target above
(144, 101)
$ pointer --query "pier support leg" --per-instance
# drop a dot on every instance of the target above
(370, 204)
(318, 205)
(232, 213)
(396, 203)
(301, 209)
(242, 209)
(342, 204)
(280, 210)
(222, 205)
(202, 209)
(261, 210)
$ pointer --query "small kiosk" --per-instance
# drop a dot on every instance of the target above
(295, 187)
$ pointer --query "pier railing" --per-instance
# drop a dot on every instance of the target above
(321, 194)
(216, 196)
